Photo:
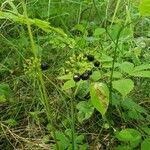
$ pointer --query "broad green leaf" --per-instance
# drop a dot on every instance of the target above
(96, 75)
(68, 84)
(116, 74)
(133, 114)
(98, 32)
(85, 111)
(80, 28)
(79, 139)
(83, 89)
(62, 140)
(144, 74)
(145, 8)
(124, 86)
(142, 67)
(106, 58)
(109, 65)
(130, 105)
(40, 23)
(127, 67)
(145, 144)
(146, 130)
(129, 135)
(123, 147)
(100, 97)
(65, 77)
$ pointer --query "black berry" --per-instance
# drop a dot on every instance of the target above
(96, 63)
(90, 57)
(89, 72)
(44, 66)
(76, 77)
(85, 76)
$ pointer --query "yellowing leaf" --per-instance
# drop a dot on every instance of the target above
(100, 97)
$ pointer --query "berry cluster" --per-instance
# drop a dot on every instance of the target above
(85, 76)
(91, 58)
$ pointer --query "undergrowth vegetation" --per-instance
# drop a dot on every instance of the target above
(75, 74)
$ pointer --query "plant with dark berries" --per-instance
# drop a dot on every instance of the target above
(85, 76)
(90, 57)
(96, 63)
(44, 66)
(76, 77)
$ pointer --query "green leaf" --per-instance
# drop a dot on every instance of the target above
(100, 97)
(127, 67)
(40, 23)
(69, 84)
(146, 130)
(124, 86)
(145, 144)
(85, 111)
(79, 139)
(144, 74)
(5, 92)
(80, 28)
(106, 58)
(62, 140)
(96, 75)
(65, 77)
(145, 8)
(123, 147)
(116, 74)
(130, 104)
(142, 67)
(83, 89)
(46, 139)
(11, 122)
(2, 99)
(129, 135)
(133, 114)
(98, 32)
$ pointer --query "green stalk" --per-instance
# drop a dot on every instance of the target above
(44, 97)
(114, 60)
(80, 11)
(128, 17)
(115, 12)
(73, 124)
(49, 5)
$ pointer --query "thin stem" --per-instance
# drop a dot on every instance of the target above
(114, 60)
(49, 6)
(44, 96)
(73, 124)
(80, 11)
(29, 31)
(115, 12)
